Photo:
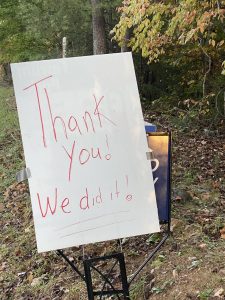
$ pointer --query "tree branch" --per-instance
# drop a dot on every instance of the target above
(208, 71)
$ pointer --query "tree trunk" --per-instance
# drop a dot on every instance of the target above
(126, 39)
(98, 23)
(6, 74)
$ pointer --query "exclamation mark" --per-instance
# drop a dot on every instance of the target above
(129, 197)
(107, 156)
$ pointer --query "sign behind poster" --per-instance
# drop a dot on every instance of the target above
(159, 147)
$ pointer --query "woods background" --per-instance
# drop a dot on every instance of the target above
(178, 46)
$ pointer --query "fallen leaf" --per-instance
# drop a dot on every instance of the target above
(210, 172)
(219, 292)
(202, 246)
(18, 252)
(216, 184)
(30, 277)
(222, 232)
(205, 196)
(36, 281)
(175, 274)
(200, 177)
(27, 230)
(3, 266)
(175, 223)
(1, 207)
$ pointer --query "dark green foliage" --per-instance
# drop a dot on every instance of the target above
(34, 30)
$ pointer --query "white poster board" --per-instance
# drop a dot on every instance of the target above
(85, 145)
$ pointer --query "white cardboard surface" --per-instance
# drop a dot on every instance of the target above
(85, 145)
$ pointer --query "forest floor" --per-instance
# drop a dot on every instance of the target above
(191, 263)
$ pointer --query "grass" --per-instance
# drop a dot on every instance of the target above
(205, 294)
(11, 154)
(8, 114)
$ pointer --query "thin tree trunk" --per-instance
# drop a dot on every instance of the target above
(209, 61)
(207, 72)
(7, 73)
(64, 46)
(98, 23)
(126, 39)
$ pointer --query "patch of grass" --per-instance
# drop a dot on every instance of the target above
(189, 178)
(11, 153)
(138, 289)
(153, 238)
(163, 287)
(8, 115)
(156, 263)
(204, 295)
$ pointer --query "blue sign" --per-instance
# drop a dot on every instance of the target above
(159, 146)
